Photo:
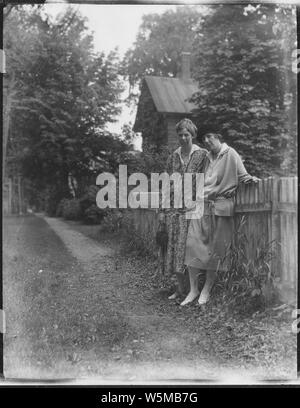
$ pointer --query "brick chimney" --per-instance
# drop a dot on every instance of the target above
(186, 65)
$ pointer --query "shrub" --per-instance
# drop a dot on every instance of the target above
(140, 244)
(93, 214)
(72, 209)
(52, 195)
(89, 198)
(60, 207)
(50, 207)
(51, 201)
(112, 222)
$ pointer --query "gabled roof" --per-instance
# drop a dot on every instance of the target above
(170, 95)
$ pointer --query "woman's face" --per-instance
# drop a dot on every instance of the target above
(213, 143)
(185, 138)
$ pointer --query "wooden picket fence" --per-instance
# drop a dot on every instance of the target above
(270, 211)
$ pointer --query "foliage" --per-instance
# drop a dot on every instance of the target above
(72, 210)
(89, 197)
(152, 160)
(248, 284)
(112, 221)
(64, 94)
(51, 198)
(84, 209)
(60, 207)
(93, 215)
(247, 89)
(242, 61)
(160, 42)
(128, 134)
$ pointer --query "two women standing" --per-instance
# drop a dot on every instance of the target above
(209, 236)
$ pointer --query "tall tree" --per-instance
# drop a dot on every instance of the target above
(65, 96)
(160, 42)
(242, 61)
(247, 89)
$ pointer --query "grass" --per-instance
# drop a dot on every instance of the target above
(112, 318)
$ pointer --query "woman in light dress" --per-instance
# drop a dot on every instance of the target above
(209, 236)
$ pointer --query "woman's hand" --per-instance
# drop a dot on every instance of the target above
(229, 193)
(252, 179)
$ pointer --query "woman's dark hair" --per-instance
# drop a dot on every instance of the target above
(188, 125)
(216, 135)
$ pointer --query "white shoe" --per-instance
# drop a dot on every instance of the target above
(174, 296)
(203, 299)
(190, 297)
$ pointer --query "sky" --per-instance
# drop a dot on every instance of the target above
(113, 26)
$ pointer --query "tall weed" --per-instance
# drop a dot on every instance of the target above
(248, 284)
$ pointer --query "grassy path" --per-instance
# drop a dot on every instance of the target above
(77, 307)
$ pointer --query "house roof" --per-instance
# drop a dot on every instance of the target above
(170, 94)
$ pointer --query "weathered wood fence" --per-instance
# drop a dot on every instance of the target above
(270, 210)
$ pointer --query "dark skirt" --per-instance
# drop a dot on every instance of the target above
(208, 242)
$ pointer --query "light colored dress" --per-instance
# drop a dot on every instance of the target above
(209, 237)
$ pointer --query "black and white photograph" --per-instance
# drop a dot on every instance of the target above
(149, 192)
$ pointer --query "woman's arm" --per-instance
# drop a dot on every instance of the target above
(243, 175)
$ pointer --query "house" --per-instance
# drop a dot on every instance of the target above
(162, 103)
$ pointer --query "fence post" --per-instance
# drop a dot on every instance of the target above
(275, 226)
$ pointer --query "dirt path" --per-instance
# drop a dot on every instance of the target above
(133, 324)
(75, 308)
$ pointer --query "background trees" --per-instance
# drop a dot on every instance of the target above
(160, 42)
(242, 62)
(247, 89)
(60, 95)
(64, 95)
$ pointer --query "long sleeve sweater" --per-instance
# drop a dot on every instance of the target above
(222, 175)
